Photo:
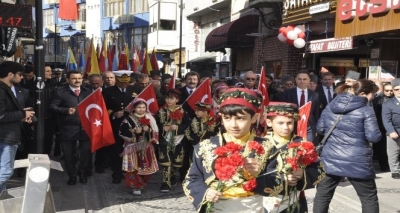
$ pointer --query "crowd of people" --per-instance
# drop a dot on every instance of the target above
(351, 117)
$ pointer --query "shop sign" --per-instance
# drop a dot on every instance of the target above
(294, 4)
(319, 8)
(349, 9)
(328, 45)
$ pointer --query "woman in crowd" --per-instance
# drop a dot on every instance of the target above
(139, 130)
(347, 152)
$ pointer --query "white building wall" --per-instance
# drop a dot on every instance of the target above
(93, 29)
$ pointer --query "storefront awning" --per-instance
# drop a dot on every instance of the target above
(200, 60)
(233, 34)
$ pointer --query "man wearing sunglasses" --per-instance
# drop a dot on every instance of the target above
(250, 80)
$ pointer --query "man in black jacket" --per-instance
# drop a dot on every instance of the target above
(11, 115)
(64, 102)
(116, 98)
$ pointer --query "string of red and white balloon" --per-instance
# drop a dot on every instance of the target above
(293, 35)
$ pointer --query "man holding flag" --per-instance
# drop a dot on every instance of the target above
(64, 102)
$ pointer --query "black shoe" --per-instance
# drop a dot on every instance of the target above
(396, 175)
(173, 181)
(116, 180)
(71, 181)
(57, 153)
(100, 170)
(83, 179)
(165, 188)
(21, 172)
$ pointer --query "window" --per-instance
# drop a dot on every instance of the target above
(138, 6)
(48, 17)
(167, 25)
(139, 37)
(113, 8)
(49, 46)
(82, 12)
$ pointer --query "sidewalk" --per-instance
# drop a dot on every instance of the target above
(99, 195)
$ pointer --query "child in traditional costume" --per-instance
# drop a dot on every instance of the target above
(203, 126)
(267, 171)
(292, 164)
(172, 121)
(238, 111)
(139, 130)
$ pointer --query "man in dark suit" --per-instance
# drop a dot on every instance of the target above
(326, 91)
(28, 82)
(64, 103)
(50, 117)
(191, 80)
(24, 99)
(300, 95)
(58, 79)
(117, 98)
(142, 81)
(391, 121)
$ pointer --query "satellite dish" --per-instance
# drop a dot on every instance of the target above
(160, 64)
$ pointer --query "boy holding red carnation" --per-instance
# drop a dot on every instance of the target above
(292, 164)
(232, 171)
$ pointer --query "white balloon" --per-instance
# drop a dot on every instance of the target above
(299, 43)
(299, 28)
(292, 35)
(282, 38)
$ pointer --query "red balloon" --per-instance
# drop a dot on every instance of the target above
(301, 35)
(282, 29)
(290, 28)
(285, 31)
(290, 42)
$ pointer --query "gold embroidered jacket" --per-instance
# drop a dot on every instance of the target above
(200, 130)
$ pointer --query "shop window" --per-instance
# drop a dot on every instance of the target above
(274, 68)
(139, 37)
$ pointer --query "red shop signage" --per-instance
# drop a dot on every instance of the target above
(349, 9)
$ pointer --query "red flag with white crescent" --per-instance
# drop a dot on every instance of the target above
(149, 95)
(262, 87)
(95, 120)
(201, 94)
(304, 114)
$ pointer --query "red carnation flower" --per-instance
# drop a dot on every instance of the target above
(250, 185)
(233, 147)
(144, 121)
(176, 115)
(256, 147)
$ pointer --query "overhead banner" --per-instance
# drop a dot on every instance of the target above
(329, 45)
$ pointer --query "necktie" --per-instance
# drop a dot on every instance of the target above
(302, 98)
(77, 92)
(123, 91)
(190, 92)
(329, 94)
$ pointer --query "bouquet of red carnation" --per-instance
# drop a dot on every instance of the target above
(144, 121)
(300, 155)
(229, 163)
(176, 116)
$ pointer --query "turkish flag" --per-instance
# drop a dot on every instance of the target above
(171, 84)
(262, 87)
(201, 94)
(95, 121)
(68, 10)
(149, 95)
(153, 61)
(304, 114)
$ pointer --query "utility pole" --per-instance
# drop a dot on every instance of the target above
(39, 73)
(180, 41)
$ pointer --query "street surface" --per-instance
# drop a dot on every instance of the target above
(101, 196)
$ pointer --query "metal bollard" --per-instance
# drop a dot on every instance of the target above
(37, 196)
